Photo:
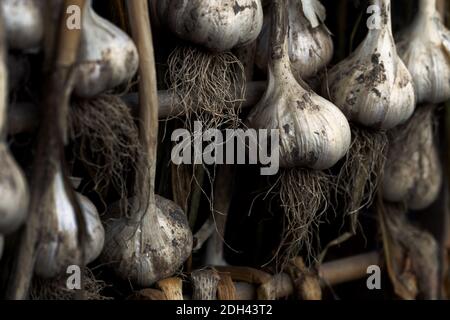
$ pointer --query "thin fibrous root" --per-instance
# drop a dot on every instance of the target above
(58, 289)
(305, 198)
(362, 171)
(209, 86)
(106, 141)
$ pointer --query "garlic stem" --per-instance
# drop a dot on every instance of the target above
(385, 13)
(427, 7)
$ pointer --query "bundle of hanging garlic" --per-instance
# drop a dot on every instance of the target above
(155, 240)
(314, 134)
(108, 57)
(210, 84)
(310, 43)
(13, 186)
(24, 24)
(413, 173)
(375, 91)
(59, 245)
(425, 48)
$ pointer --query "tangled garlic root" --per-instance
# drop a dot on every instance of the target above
(304, 195)
(106, 142)
(56, 289)
(362, 171)
(210, 86)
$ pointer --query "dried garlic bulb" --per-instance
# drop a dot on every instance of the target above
(425, 48)
(372, 86)
(149, 246)
(310, 43)
(413, 173)
(218, 25)
(24, 23)
(108, 57)
(314, 135)
(155, 239)
(58, 246)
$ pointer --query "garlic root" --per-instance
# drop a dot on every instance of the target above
(205, 284)
(172, 288)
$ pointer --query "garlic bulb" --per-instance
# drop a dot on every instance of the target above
(310, 43)
(218, 25)
(425, 48)
(108, 57)
(151, 246)
(24, 24)
(313, 132)
(372, 86)
(13, 186)
(413, 173)
(58, 246)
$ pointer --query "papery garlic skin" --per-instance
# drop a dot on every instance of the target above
(310, 44)
(58, 246)
(218, 25)
(108, 57)
(152, 249)
(425, 48)
(24, 23)
(373, 86)
(413, 173)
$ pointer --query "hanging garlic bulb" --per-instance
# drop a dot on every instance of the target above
(425, 48)
(155, 240)
(23, 23)
(314, 134)
(58, 246)
(108, 57)
(13, 186)
(372, 86)
(413, 173)
(310, 43)
(218, 25)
